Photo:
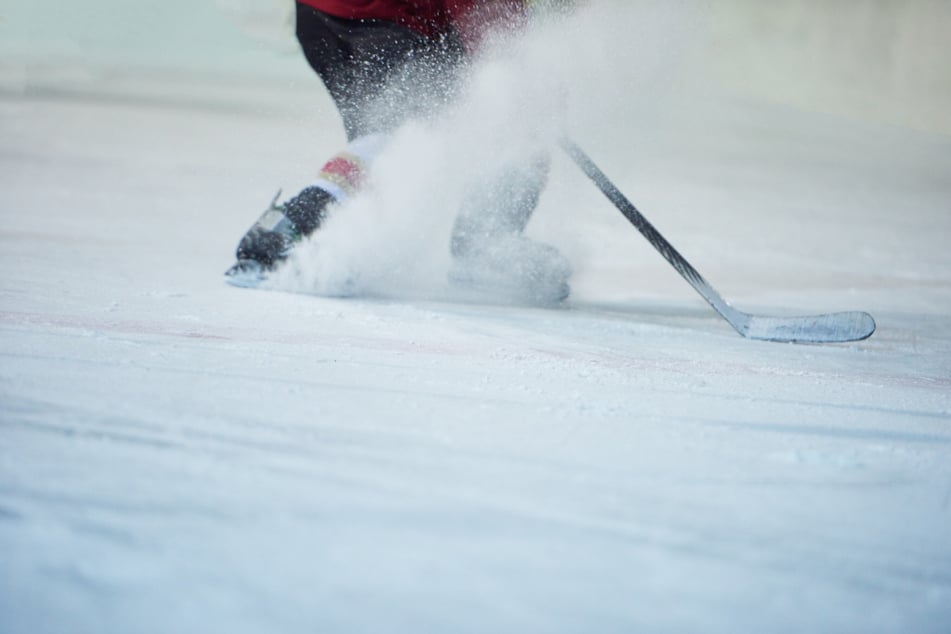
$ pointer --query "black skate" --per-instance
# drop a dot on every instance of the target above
(270, 240)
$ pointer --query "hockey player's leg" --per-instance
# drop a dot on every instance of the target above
(380, 74)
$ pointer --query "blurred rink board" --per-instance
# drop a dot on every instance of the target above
(887, 61)
(883, 60)
(166, 50)
(207, 35)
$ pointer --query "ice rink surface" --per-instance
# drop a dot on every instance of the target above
(178, 455)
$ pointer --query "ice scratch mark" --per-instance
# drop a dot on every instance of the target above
(833, 432)
(107, 325)
(9, 514)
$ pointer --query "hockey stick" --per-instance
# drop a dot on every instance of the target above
(827, 328)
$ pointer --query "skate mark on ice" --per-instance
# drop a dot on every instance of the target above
(884, 435)
(9, 515)
(97, 324)
(77, 431)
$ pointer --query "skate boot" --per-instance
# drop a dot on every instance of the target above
(492, 258)
(512, 269)
(269, 241)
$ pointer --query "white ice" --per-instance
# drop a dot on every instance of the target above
(178, 455)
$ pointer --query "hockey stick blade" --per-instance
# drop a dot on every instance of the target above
(827, 328)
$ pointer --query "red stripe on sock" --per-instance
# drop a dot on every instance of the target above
(344, 169)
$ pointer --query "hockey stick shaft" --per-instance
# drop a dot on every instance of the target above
(659, 242)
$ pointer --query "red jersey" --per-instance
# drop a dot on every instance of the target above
(470, 18)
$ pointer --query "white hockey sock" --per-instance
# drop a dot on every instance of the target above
(343, 174)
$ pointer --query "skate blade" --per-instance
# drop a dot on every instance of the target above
(246, 274)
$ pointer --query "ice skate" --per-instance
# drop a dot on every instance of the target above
(279, 229)
(511, 269)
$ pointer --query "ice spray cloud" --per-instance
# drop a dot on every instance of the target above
(513, 101)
